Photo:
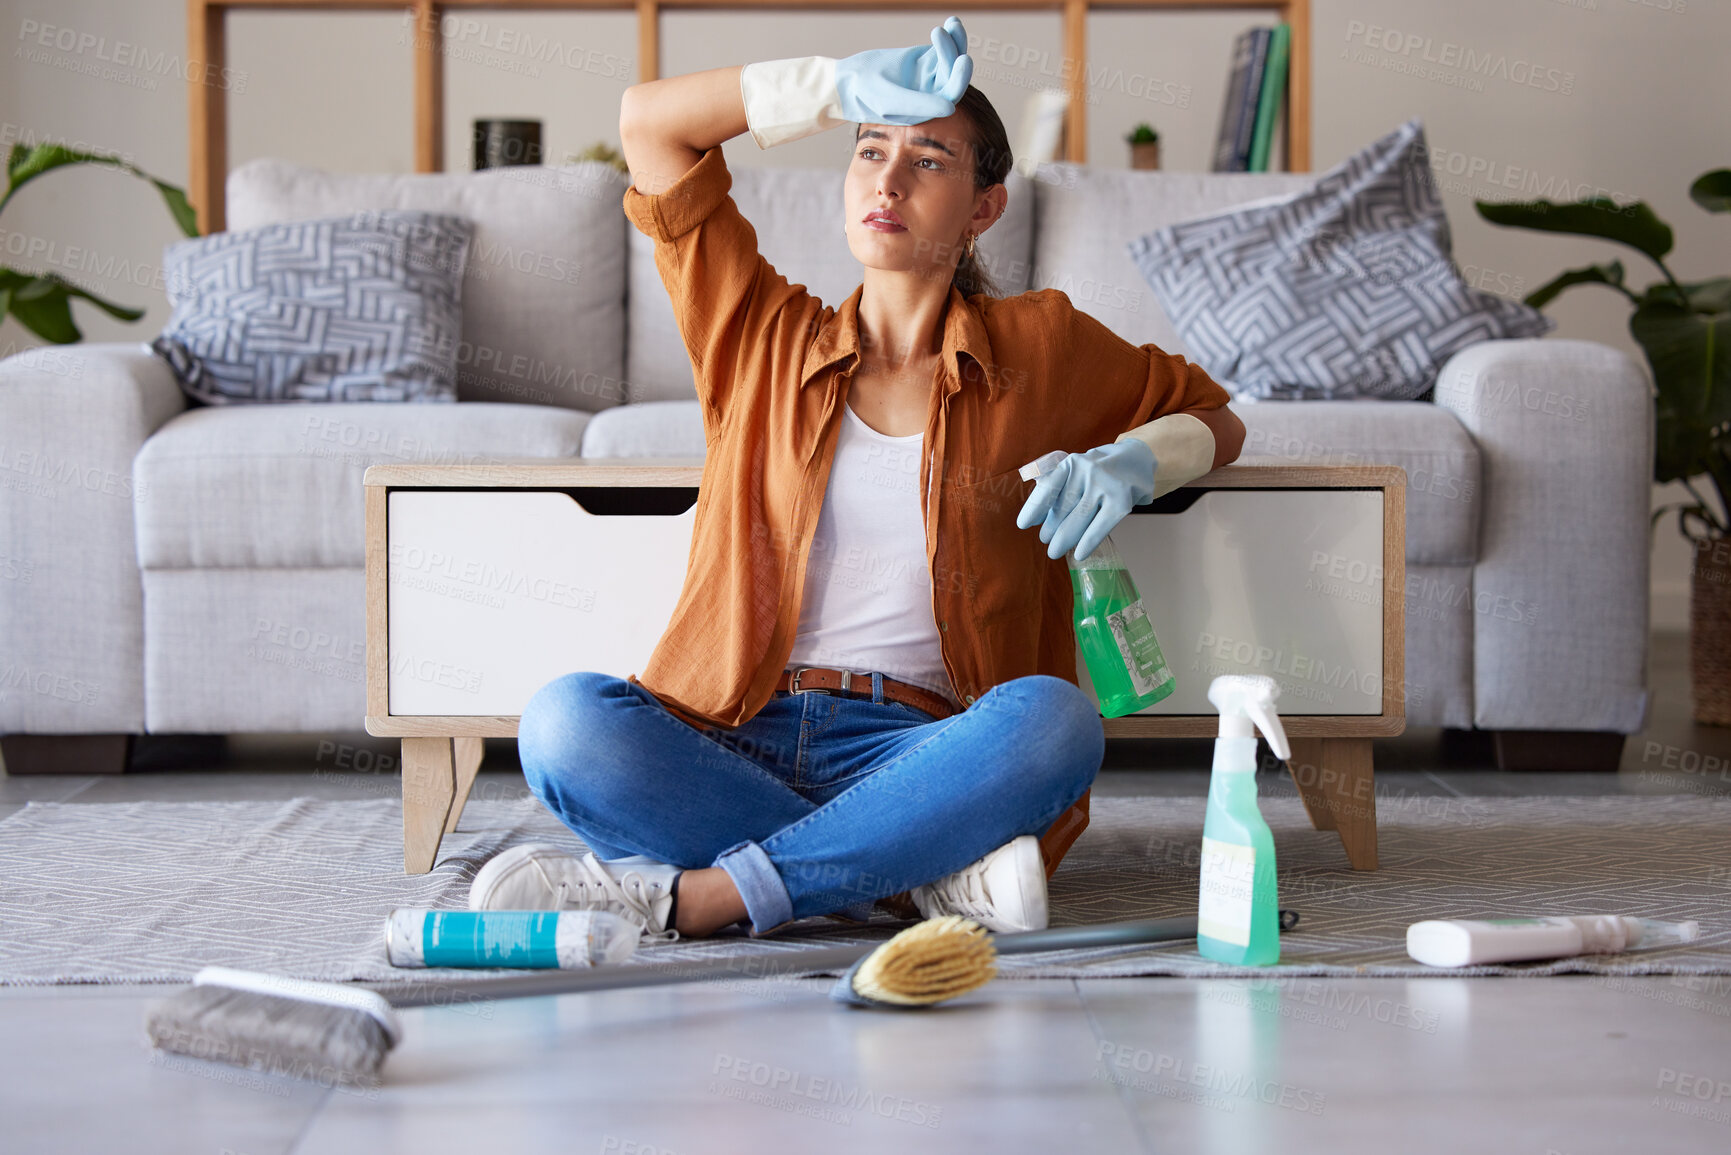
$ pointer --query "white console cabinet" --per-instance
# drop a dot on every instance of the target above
(485, 582)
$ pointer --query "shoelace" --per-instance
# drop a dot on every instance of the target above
(964, 893)
(635, 905)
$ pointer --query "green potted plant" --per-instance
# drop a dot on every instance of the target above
(1684, 328)
(43, 302)
(1144, 147)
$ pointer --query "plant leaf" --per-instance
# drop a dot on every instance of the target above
(1690, 353)
(184, 214)
(44, 305)
(46, 311)
(1679, 448)
(26, 164)
(1634, 224)
(1610, 274)
(1712, 190)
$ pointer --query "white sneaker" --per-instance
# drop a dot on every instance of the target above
(1004, 891)
(540, 876)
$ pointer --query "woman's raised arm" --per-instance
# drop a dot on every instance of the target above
(665, 126)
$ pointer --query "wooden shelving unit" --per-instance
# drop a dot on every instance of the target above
(207, 107)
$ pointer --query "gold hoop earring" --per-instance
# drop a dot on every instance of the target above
(969, 252)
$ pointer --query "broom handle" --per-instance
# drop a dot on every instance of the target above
(1104, 934)
(605, 978)
(1111, 934)
(799, 961)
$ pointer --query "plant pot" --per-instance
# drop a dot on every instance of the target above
(1710, 630)
(1145, 155)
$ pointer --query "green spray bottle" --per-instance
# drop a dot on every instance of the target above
(1113, 632)
(1238, 910)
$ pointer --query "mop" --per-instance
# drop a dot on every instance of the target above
(337, 1032)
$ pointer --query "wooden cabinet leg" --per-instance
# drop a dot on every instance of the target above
(1336, 778)
(1305, 766)
(466, 756)
(428, 787)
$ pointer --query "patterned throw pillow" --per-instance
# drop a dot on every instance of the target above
(363, 307)
(1346, 289)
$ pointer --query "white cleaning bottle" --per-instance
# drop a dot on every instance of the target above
(1238, 910)
(1459, 942)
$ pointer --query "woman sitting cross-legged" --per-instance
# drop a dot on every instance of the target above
(867, 690)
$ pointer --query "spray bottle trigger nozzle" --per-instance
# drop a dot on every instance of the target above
(1246, 703)
(1269, 722)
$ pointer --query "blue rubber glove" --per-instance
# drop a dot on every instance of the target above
(1080, 499)
(906, 85)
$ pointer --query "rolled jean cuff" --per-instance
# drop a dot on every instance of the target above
(759, 885)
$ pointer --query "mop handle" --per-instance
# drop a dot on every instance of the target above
(795, 961)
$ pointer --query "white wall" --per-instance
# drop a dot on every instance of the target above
(1629, 100)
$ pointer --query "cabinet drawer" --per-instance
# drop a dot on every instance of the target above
(494, 593)
(1283, 582)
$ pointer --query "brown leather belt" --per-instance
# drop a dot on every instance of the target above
(852, 683)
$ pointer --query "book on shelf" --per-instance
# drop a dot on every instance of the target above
(1272, 97)
(1252, 114)
(1243, 93)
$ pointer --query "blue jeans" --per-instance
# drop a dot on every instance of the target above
(819, 802)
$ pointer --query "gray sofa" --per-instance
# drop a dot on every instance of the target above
(166, 569)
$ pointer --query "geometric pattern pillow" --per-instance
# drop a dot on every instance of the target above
(363, 307)
(1347, 289)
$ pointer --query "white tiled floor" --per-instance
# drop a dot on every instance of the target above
(1572, 1065)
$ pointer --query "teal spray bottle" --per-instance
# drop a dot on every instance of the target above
(1237, 912)
(1116, 638)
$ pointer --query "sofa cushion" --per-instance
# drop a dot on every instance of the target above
(366, 306)
(1346, 289)
(1440, 458)
(648, 429)
(797, 214)
(274, 486)
(1086, 217)
(544, 290)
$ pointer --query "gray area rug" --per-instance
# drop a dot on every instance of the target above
(148, 892)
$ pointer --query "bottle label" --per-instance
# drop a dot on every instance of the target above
(1228, 882)
(1134, 634)
(494, 938)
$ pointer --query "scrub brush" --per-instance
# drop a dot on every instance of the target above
(340, 1033)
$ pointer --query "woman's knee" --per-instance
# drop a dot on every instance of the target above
(558, 721)
(1059, 726)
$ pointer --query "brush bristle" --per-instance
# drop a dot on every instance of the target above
(331, 1045)
(935, 960)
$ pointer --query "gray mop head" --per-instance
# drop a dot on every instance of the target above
(328, 1033)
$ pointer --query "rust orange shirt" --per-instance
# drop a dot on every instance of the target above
(1019, 376)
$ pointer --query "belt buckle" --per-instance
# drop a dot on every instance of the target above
(793, 686)
(793, 683)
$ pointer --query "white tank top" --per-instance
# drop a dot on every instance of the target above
(867, 603)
